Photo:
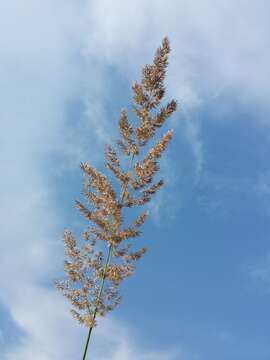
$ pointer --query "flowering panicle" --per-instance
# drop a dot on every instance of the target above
(149, 93)
(93, 277)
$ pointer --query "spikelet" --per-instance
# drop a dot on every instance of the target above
(93, 276)
(127, 143)
(149, 93)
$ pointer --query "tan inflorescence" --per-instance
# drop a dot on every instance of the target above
(92, 278)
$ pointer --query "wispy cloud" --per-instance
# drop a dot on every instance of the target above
(260, 274)
(41, 75)
(55, 336)
(216, 47)
(48, 48)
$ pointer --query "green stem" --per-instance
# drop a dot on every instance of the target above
(103, 280)
(99, 296)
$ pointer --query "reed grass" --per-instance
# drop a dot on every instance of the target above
(93, 275)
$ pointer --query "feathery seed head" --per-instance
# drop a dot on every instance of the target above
(92, 276)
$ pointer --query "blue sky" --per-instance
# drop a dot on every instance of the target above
(202, 292)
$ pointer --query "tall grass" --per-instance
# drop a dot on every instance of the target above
(93, 275)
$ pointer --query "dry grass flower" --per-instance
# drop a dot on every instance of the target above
(93, 275)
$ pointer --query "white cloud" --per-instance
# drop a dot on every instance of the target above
(51, 334)
(259, 274)
(215, 47)
(40, 74)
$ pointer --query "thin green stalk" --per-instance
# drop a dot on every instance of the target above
(109, 255)
(99, 296)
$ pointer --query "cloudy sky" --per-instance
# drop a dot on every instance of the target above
(202, 292)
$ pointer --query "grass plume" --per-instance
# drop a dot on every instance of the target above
(93, 275)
